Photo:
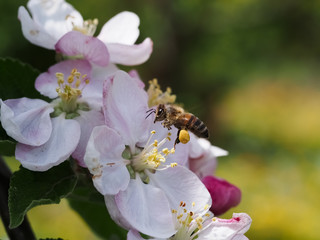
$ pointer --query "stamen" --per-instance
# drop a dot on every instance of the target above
(88, 28)
(69, 91)
(156, 96)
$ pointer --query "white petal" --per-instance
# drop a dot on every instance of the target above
(146, 208)
(228, 229)
(130, 54)
(180, 184)
(34, 32)
(93, 91)
(134, 235)
(57, 17)
(122, 28)
(104, 160)
(114, 212)
(218, 152)
(125, 106)
(63, 140)
(27, 120)
(87, 121)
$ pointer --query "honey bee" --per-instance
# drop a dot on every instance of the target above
(174, 115)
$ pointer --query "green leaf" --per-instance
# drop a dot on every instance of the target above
(91, 207)
(29, 189)
(17, 79)
(7, 148)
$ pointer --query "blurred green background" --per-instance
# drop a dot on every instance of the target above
(250, 70)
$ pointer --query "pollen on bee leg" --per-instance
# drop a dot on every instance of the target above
(184, 136)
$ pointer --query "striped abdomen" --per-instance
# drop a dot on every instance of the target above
(192, 123)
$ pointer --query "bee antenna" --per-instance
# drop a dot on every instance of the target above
(151, 109)
(150, 112)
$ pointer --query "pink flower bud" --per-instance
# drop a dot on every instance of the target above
(224, 195)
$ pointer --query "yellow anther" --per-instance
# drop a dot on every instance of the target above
(70, 79)
(193, 204)
(169, 138)
(153, 132)
(207, 215)
(169, 133)
(59, 75)
(185, 210)
(77, 74)
(174, 211)
(156, 96)
(172, 151)
(87, 81)
(73, 71)
(173, 164)
(155, 143)
(166, 151)
(179, 216)
(84, 76)
(214, 219)
(78, 82)
(184, 136)
(206, 207)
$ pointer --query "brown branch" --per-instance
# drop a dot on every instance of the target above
(24, 231)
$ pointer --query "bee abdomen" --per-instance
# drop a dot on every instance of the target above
(196, 126)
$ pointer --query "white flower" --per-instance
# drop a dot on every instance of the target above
(193, 224)
(137, 167)
(52, 19)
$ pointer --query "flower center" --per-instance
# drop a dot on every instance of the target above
(188, 224)
(156, 96)
(152, 156)
(69, 91)
(88, 28)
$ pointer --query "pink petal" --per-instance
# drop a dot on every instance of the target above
(180, 184)
(56, 17)
(228, 229)
(87, 121)
(122, 28)
(27, 120)
(125, 106)
(224, 195)
(146, 208)
(104, 159)
(34, 32)
(75, 43)
(63, 140)
(130, 54)
(46, 83)
(135, 75)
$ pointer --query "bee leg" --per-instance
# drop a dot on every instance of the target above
(177, 139)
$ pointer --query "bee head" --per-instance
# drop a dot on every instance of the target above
(160, 113)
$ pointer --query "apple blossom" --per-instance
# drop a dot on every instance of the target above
(130, 158)
(48, 133)
(191, 224)
(52, 19)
